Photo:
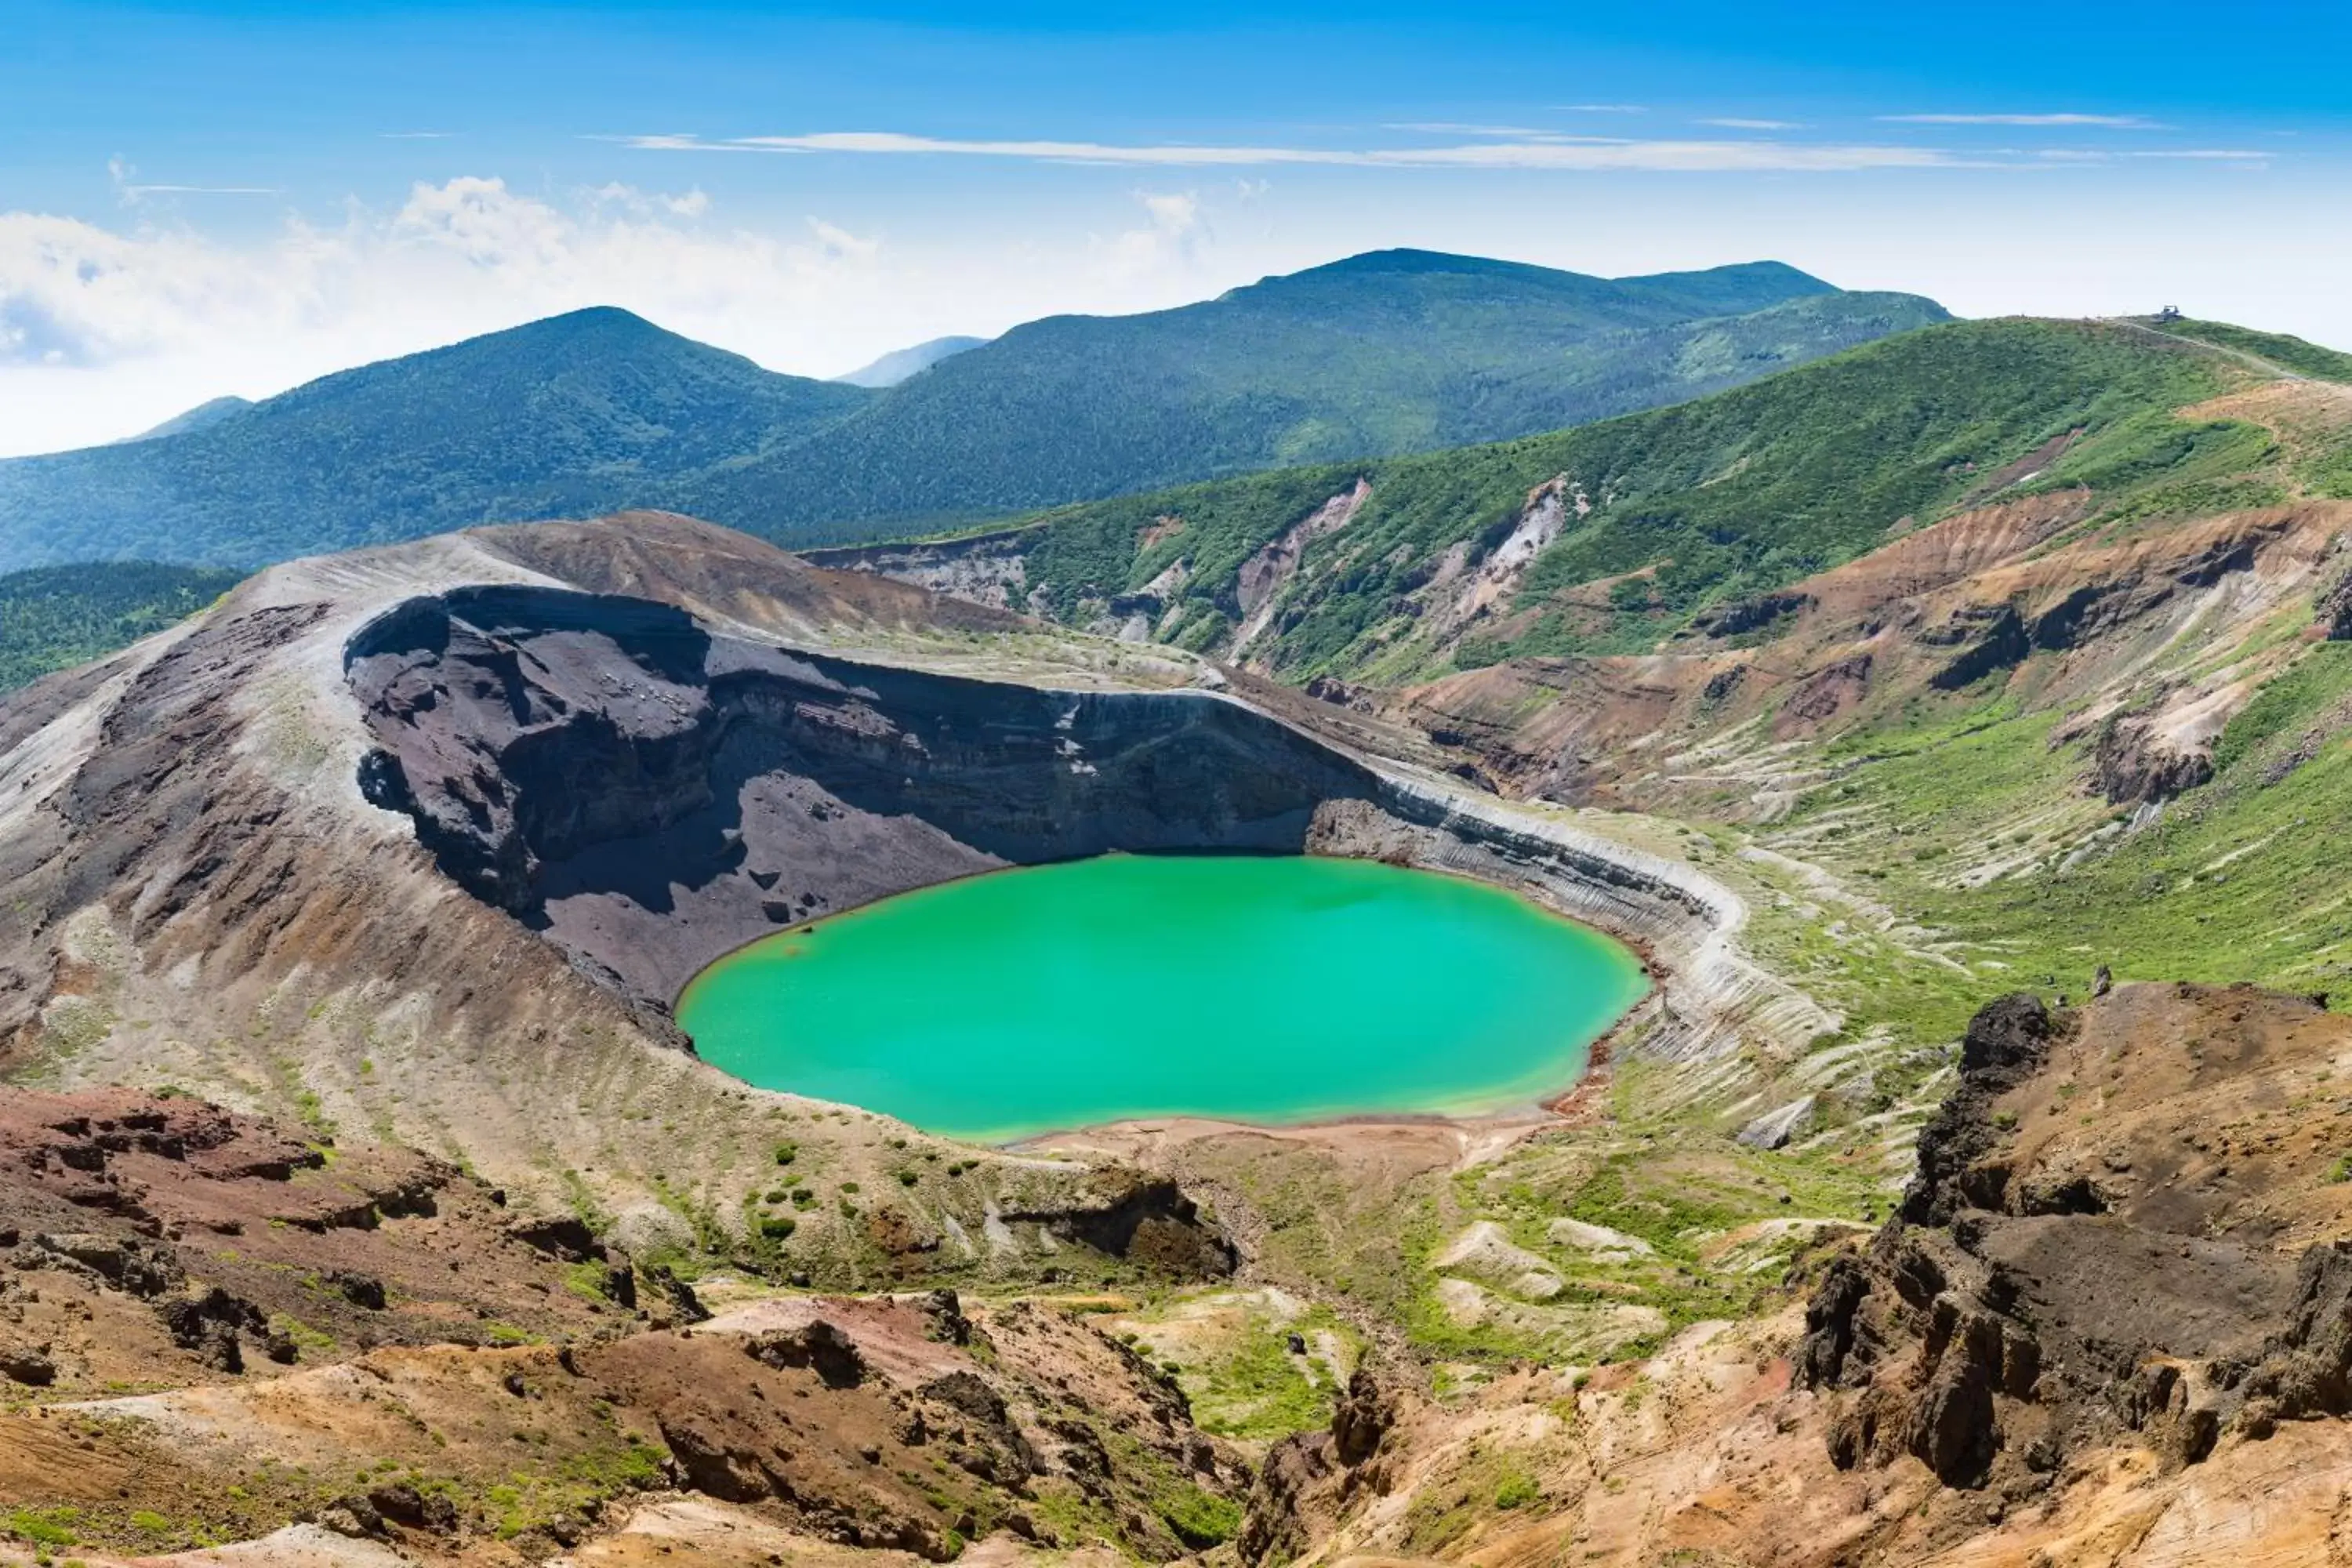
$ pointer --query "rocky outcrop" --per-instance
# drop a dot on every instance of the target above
(2005, 1044)
(1258, 585)
(1776, 1127)
(1991, 637)
(1741, 617)
(2054, 1280)
(2138, 764)
(1307, 1480)
(167, 1239)
(988, 569)
(649, 794)
(2333, 609)
(836, 1423)
(1143, 1218)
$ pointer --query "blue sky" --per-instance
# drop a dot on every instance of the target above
(203, 197)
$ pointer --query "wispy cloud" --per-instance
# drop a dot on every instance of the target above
(415, 135)
(1455, 128)
(2101, 122)
(1734, 122)
(1551, 153)
(693, 203)
(1605, 108)
(131, 189)
(202, 190)
(2109, 156)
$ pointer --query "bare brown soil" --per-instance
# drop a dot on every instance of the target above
(212, 1330)
(2107, 1328)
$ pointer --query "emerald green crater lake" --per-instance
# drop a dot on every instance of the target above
(1267, 989)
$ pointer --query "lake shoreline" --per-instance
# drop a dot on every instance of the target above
(1230, 988)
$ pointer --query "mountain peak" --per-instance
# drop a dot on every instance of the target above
(590, 321)
(599, 409)
(1405, 259)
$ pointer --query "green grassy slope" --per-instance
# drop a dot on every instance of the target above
(1394, 351)
(2287, 352)
(58, 616)
(1745, 490)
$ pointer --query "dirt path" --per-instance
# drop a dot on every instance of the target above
(2253, 361)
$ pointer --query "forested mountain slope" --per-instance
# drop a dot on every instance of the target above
(600, 410)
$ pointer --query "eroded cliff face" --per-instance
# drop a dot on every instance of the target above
(1731, 717)
(195, 891)
(2162, 1271)
(650, 794)
(2110, 1324)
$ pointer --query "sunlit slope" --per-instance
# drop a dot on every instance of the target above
(1611, 537)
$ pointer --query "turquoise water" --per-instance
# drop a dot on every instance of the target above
(1264, 989)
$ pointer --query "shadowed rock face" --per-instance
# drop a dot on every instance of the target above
(2095, 1249)
(650, 795)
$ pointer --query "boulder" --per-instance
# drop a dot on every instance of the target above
(1776, 1127)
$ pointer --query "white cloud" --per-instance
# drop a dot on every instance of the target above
(1734, 123)
(1172, 237)
(155, 316)
(485, 224)
(1582, 154)
(2105, 122)
(840, 245)
(107, 329)
(691, 204)
(2066, 155)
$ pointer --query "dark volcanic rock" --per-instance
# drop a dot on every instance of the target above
(2137, 764)
(2004, 1044)
(1144, 1218)
(1996, 638)
(649, 795)
(818, 1346)
(1361, 1419)
(23, 1364)
(2018, 1307)
(1744, 615)
(2334, 609)
(1289, 1505)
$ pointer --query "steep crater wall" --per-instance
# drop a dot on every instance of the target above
(649, 795)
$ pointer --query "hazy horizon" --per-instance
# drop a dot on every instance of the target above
(235, 197)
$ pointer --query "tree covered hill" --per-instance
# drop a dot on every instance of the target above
(54, 617)
(1666, 515)
(599, 410)
(1392, 352)
(567, 415)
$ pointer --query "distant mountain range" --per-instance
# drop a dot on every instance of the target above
(899, 364)
(1389, 352)
(1614, 537)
